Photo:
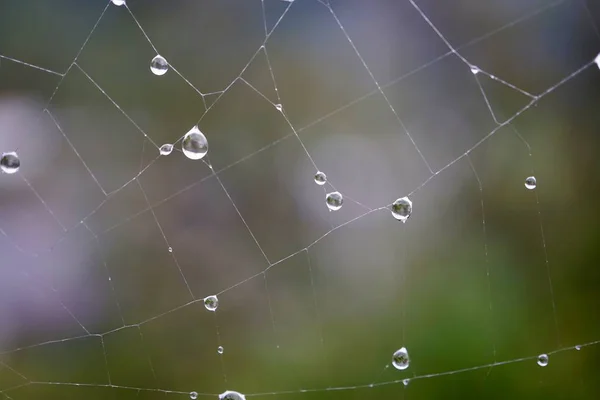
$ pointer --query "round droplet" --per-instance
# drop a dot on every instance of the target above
(118, 2)
(320, 178)
(578, 347)
(193, 395)
(166, 149)
(530, 182)
(279, 107)
(211, 303)
(402, 208)
(406, 382)
(194, 145)
(400, 359)
(220, 349)
(334, 201)
(170, 249)
(475, 70)
(10, 163)
(159, 66)
(542, 360)
(231, 395)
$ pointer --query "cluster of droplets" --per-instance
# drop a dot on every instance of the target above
(10, 163)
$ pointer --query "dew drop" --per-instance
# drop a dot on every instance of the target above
(211, 303)
(320, 178)
(530, 182)
(400, 359)
(118, 2)
(334, 201)
(159, 66)
(193, 395)
(578, 347)
(402, 208)
(597, 60)
(279, 107)
(10, 163)
(166, 149)
(231, 395)
(170, 249)
(194, 145)
(542, 360)
(475, 70)
(220, 349)
(406, 382)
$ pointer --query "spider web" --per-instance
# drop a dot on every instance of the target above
(109, 248)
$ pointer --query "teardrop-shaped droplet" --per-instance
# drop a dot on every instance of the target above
(475, 70)
(193, 395)
(211, 303)
(406, 382)
(231, 395)
(195, 144)
(334, 201)
(10, 163)
(402, 208)
(159, 65)
(400, 359)
(530, 182)
(279, 107)
(118, 2)
(542, 360)
(166, 149)
(320, 178)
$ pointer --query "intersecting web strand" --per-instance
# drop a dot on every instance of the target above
(215, 174)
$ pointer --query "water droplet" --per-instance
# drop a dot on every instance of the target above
(211, 303)
(400, 359)
(170, 249)
(279, 107)
(542, 360)
(194, 145)
(402, 208)
(159, 66)
(10, 163)
(475, 70)
(597, 60)
(220, 349)
(320, 178)
(578, 347)
(334, 201)
(166, 149)
(231, 395)
(406, 382)
(530, 182)
(193, 395)
(118, 2)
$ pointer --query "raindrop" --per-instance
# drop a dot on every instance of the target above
(279, 107)
(118, 2)
(475, 70)
(530, 182)
(542, 360)
(166, 149)
(231, 395)
(211, 303)
(334, 201)
(194, 145)
(400, 359)
(220, 349)
(10, 163)
(193, 395)
(402, 208)
(159, 66)
(320, 178)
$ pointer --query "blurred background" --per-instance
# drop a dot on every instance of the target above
(484, 271)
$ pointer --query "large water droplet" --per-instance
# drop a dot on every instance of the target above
(166, 149)
(193, 395)
(118, 2)
(402, 208)
(194, 145)
(220, 350)
(334, 201)
(159, 66)
(211, 303)
(530, 182)
(320, 178)
(542, 360)
(231, 395)
(400, 359)
(10, 163)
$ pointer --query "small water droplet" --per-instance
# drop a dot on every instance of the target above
(402, 208)
(118, 2)
(578, 347)
(166, 149)
(530, 182)
(320, 178)
(334, 201)
(193, 395)
(159, 65)
(231, 395)
(170, 249)
(279, 107)
(211, 303)
(542, 360)
(194, 145)
(10, 163)
(597, 60)
(400, 359)
(475, 70)
(220, 349)
(406, 382)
